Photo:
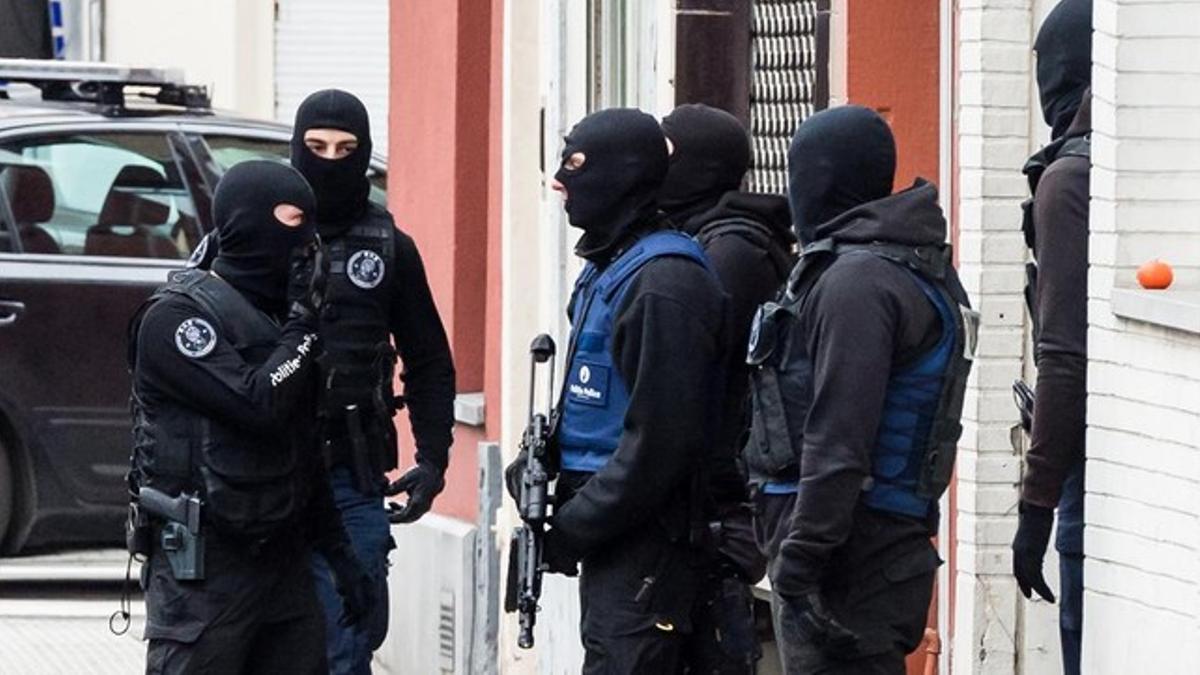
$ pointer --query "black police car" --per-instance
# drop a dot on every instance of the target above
(106, 182)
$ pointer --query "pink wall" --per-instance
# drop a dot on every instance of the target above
(443, 188)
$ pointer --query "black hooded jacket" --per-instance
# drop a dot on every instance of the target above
(1060, 180)
(751, 270)
(862, 318)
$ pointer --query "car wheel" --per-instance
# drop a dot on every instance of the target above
(6, 490)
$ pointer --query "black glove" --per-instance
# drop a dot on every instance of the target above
(423, 482)
(308, 277)
(353, 584)
(512, 475)
(807, 615)
(558, 556)
(1029, 549)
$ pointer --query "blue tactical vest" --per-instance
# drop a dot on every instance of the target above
(913, 456)
(910, 407)
(595, 397)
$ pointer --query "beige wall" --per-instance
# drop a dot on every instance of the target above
(227, 45)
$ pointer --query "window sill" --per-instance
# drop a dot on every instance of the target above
(1170, 308)
(469, 409)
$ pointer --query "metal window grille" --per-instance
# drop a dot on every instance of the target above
(788, 81)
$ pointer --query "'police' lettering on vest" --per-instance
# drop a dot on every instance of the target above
(285, 369)
(589, 384)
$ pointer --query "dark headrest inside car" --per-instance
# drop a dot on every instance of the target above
(124, 206)
(29, 191)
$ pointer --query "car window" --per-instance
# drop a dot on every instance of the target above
(98, 194)
(229, 150)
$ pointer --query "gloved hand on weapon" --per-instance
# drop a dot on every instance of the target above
(558, 557)
(512, 475)
(1029, 549)
(423, 482)
(353, 585)
(806, 614)
(308, 277)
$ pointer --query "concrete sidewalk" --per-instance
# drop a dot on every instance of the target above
(54, 615)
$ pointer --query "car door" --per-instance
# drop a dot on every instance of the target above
(95, 218)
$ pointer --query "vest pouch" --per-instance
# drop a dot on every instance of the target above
(248, 482)
(769, 449)
(764, 333)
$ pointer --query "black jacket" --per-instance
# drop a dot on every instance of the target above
(751, 274)
(862, 318)
(428, 367)
(253, 399)
(1060, 223)
(668, 342)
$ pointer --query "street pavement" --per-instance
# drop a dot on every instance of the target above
(54, 615)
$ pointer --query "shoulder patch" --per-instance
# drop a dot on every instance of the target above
(195, 338)
(365, 269)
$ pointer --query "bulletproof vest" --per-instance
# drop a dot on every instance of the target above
(914, 452)
(755, 233)
(249, 483)
(1076, 146)
(595, 397)
(359, 360)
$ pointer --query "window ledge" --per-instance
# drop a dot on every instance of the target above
(1174, 309)
(469, 409)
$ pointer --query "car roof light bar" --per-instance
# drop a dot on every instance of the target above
(102, 82)
(44, 70)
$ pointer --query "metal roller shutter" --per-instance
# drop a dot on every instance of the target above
(321, 44)
(788, 82)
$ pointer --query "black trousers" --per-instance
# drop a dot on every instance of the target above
(723, 639)
(637, 598)
(879, 584)
(255, 612)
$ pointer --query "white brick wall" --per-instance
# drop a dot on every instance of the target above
(996, 631)
(1142, 574)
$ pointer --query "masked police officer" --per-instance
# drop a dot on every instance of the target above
(640, 402)
(377, 293)
(1056, 229)
(230, 492)
(748, 239)
(876, 317)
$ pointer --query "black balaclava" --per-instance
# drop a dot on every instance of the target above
(712, 154)
(1064, 62)
(626, 161)
(839, 158)
(341, 185)
(255, 248)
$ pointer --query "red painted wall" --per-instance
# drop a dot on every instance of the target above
(892, 53)
(443, 185)
(893, 63)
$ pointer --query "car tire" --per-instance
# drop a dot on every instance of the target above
(7, 486)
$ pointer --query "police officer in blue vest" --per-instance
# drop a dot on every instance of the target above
(876, 337)
(640, 402)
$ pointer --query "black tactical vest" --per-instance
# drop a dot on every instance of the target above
(359, 360)
(1076, 146)
(249, 483)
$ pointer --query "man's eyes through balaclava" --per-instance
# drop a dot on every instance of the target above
(574, 161)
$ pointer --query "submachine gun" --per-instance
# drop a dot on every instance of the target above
(533, 501)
